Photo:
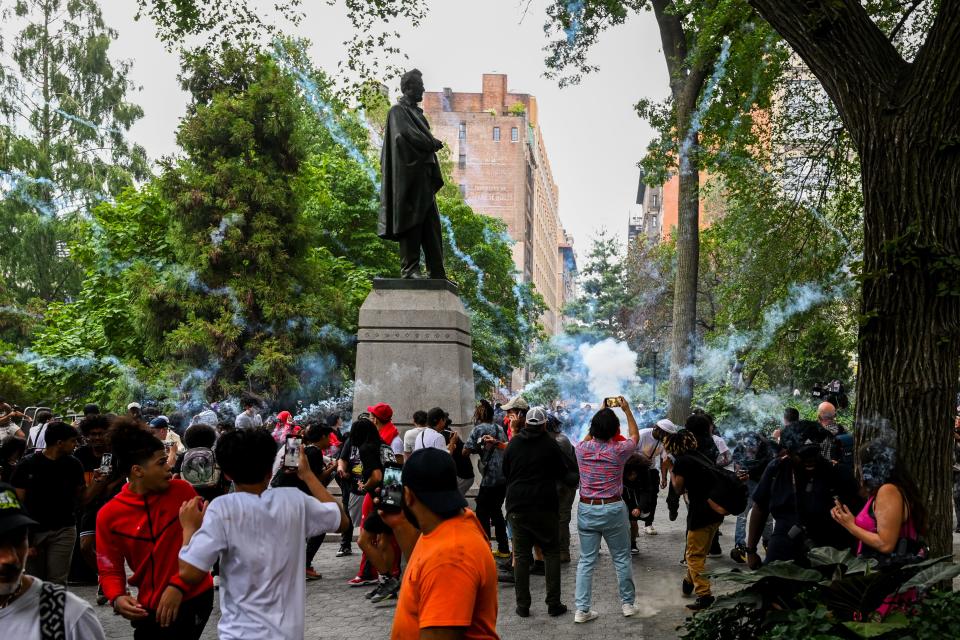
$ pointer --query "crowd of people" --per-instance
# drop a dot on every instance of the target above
(139, 500)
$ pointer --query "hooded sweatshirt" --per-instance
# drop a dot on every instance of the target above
(144, 531)
(533, 464)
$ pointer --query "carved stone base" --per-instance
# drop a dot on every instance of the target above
(414, 351)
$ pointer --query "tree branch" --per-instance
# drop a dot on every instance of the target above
(672, 38)
(852, 58)
(936, 71)
(903, 19)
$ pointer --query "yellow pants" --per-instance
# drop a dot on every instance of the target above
(698, 545)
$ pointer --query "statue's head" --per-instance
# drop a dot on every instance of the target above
(411, 85)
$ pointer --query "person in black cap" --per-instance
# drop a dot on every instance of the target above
(450, 584)
(798, 491)
(28, 604)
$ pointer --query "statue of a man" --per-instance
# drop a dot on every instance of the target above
(411, 179)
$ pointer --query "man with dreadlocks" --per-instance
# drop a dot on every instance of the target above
(692, 477)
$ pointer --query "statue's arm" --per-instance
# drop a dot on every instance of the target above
(407, 129)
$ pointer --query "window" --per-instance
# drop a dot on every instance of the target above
(463, 160)
(514, 134)
(463, 190)
(654, 201)
(496, 134)
(463, 131)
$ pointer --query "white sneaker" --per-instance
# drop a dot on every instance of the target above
(649, 530)
(216, 582)
(630, 610)
(585, 616)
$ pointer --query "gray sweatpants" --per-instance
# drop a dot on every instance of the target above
(54, 551)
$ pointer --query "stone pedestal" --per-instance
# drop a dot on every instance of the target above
(414, 351)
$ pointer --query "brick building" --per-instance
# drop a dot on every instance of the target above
(501, 167)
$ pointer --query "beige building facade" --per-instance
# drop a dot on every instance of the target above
(501, 167)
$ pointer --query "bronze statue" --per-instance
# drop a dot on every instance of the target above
(411, 179)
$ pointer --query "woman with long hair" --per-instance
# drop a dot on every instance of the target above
(894, 510)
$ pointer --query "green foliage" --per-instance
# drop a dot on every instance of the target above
(517, 109)
(65, 110)
(599, 310)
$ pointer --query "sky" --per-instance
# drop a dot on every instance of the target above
(593, 136)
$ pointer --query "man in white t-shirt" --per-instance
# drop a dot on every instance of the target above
(27, 602)
(432, 436)
(419, 424)
(650, 448)
(36, 438)
(259, 535)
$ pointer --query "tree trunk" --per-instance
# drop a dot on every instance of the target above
(685, 291)
(902, 118)
(909, 352)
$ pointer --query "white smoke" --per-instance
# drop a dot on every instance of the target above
(611, 367)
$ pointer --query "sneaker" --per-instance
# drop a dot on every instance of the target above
(538, 568)
(674, 514)
(649, 530)
(585, 616)
(557, 610)
(387, 590)
(630, 610)
(312, 574)
(375, 590)
(687, 587)
(634, 550)
(344, 550)
(361, 582)
(701, 603)
(102, 599)
(523, 612)
(501, 554)
(738, 554)
(505, 576)
(216, 583)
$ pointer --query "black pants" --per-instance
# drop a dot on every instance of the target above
(490, 511)
(191, 619)
(650, 496)
(429, 237)
(346, 538)
(313, 545)
(673, 499)
(540, 529)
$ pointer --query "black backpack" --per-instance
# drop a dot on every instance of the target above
(727, 490)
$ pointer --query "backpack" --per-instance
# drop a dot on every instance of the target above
(200, 469)
(727, 490)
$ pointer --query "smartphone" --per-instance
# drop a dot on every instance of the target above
(611, 403)
(391, 492)
(106, 464)
(291, 454)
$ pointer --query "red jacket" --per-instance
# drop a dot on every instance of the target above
(144, 531)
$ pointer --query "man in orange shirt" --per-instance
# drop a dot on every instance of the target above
(449, 589)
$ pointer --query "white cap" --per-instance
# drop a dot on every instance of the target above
(667, 426)
(133, 405)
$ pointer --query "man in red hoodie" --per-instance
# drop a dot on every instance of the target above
(141, 526)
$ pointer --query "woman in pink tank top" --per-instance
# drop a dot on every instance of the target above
(893, 511)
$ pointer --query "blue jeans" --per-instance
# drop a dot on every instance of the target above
(740, 533)
(609, 522)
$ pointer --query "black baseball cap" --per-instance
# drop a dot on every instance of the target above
(12, 515)
(431, 474)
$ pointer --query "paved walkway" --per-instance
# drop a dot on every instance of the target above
(336, 611)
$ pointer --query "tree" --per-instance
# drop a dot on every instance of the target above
(901, 115)
(696, 43)
(599, 310)
(62, 147)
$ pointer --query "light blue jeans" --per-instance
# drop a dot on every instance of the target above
(740, 532)
(609, 522)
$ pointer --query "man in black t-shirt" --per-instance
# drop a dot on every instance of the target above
(691, 475)
(49, 483)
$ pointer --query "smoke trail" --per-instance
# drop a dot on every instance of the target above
(52, 364)
(89, 123)
(375, 138)
(218, 235)
(11, 310)
(705, 100)
(312, 94)
(466, 259)
(575, 9)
